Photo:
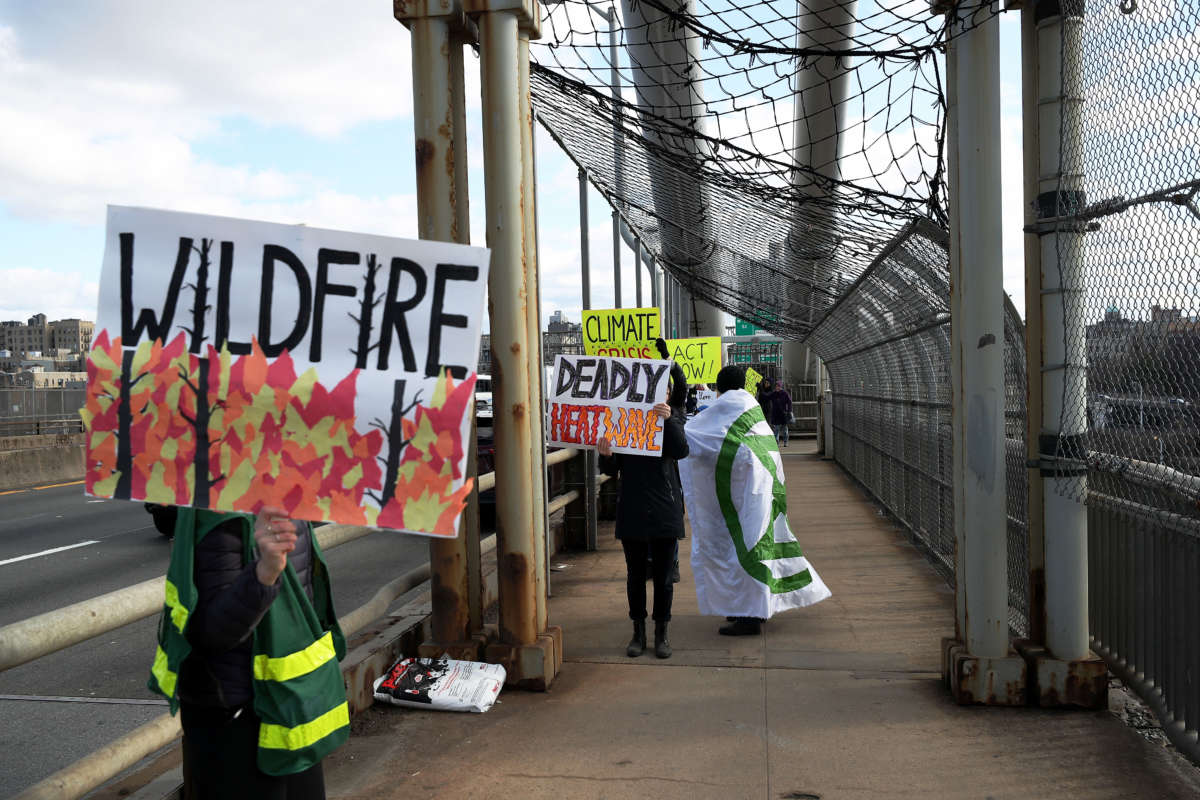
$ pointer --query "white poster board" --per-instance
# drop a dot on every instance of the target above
(596, 397)
(238, 364)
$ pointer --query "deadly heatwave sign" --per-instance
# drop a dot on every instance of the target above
(597, 398)
(630, 333)
(240, 364)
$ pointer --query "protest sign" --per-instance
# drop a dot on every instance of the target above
(620, 332)
(239, 364)
(753, 378)
(630, 333)
(705, 398)
(700, 357)
(594, 397)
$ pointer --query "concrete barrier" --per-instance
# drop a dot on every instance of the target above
(56, 459)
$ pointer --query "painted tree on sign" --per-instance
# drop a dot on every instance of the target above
(424, 497)
(288, 441)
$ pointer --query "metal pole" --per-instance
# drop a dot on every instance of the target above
(434, 115)
(952, 180)
(654, 292)
(533, 309)
(637, 270)
(590, 461)
(616, 225)
(508, 298)
(585, 261)
(1064, 352)
(978, 377)
(1033, 328)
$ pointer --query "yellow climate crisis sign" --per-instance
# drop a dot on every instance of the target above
(630, 333)
(621, 332)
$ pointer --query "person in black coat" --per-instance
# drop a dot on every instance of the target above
(650, 518)
(216, 689)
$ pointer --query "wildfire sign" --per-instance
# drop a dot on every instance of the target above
(239, 364)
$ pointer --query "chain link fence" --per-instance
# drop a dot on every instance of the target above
(1126, 232)
(886, 344)
(25, 411)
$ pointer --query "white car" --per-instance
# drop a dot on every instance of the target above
(483, 400)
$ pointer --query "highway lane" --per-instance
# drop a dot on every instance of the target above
(105, 677)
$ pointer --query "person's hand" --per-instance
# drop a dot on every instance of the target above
(663, 410)
(604, 447)
(275, 536)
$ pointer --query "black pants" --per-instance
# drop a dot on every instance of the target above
(661, 555)
(219, 752)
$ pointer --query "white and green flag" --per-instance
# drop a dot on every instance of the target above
(746, 561)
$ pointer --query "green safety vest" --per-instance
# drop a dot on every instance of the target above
(298, 690)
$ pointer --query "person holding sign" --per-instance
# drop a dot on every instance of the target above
(650, 517)
(248, 650)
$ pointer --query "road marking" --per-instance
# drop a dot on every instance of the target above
(56, 485)
(13, 491)
(122, 701)
(48, 552)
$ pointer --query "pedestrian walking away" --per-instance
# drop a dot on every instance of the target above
(650, 518)
(778, 412)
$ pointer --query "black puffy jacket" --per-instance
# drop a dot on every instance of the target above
(231, 602)
(650, 497)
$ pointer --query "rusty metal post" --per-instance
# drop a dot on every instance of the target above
(438, 119)
(530, 655)
(534, 323)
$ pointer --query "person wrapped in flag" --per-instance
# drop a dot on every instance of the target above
(747, 564)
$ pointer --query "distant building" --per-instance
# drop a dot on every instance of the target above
(561, 336)
(1156, 356)
(66, 340)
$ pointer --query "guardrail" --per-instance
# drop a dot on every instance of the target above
(30, 639)
(35, 426)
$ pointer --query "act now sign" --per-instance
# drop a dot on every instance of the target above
(630, 333)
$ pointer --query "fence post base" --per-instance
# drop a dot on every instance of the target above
(1082, 683)
(978, 680)
(530, 666)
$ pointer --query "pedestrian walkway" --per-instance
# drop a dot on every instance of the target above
(841, 700)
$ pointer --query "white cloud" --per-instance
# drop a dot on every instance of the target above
(23, 293)
(104, 105)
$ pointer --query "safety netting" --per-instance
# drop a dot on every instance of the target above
(789, 157)
(763, 151)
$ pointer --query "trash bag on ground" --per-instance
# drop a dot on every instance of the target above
(441, 684)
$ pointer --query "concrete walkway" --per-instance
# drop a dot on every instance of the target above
(842, 700)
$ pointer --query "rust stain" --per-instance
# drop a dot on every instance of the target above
(425, 152)
(518, 411)
(515, 348)
(516, 565)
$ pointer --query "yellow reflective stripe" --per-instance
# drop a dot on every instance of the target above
(179, 612)
(281, 737)
(162, 673)
(295, 664)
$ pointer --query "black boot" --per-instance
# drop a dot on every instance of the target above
(742, 626)
(638, 643)
(662, 648)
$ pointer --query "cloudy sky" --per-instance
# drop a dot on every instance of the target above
(288, 112)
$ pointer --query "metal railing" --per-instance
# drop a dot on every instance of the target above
(41, 635)
(38, 426)
(1144, 605)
